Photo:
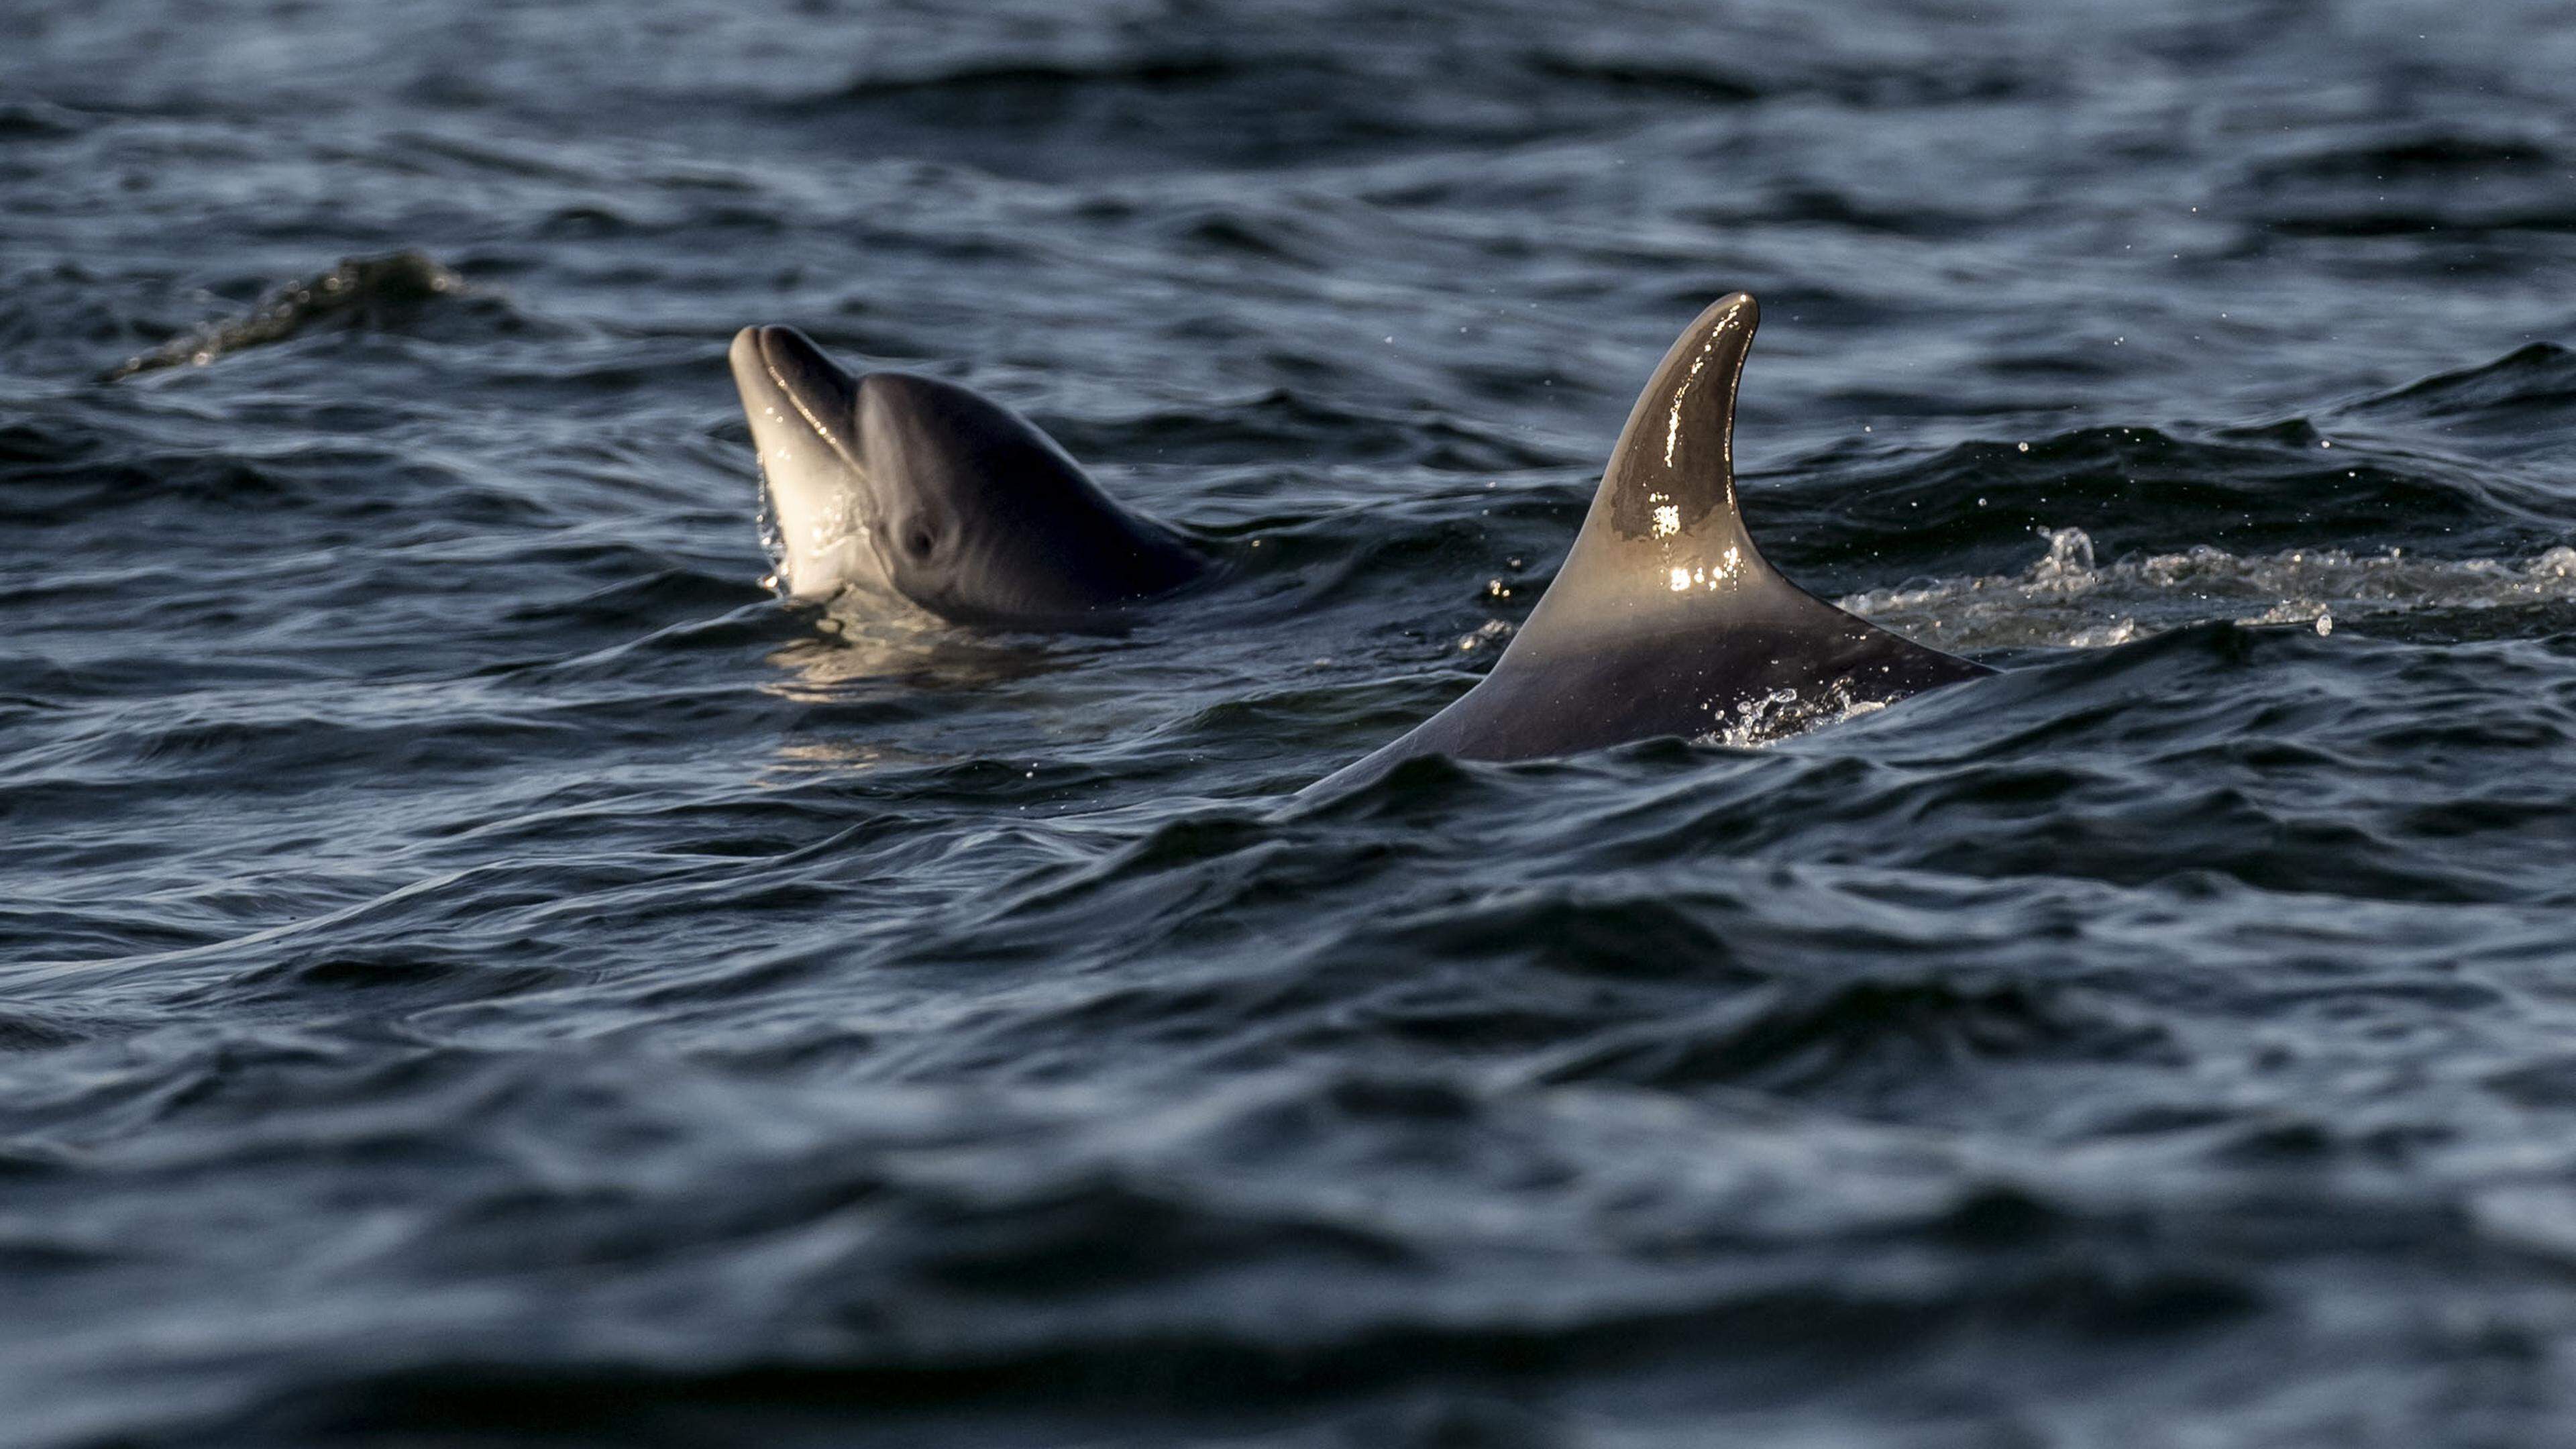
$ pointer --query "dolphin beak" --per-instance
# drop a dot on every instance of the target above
(803, 411)
(783, 364)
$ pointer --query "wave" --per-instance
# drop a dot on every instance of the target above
(372, 291)
(1285, 421)
(1148, 72)
(2285, 485)
(2529, 394)
(2412, 154)
(2068, 599)
(2417, 181)
(34, 120)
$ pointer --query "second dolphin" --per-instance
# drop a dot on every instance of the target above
(1664, 619)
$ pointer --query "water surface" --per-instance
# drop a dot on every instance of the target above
(479, 970)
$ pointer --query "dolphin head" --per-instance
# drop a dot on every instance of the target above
(894, 484)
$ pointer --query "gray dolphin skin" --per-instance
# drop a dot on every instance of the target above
(1663, 619)
(888, 486)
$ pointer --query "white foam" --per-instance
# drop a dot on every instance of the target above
(1783, 712)
(2068, 599)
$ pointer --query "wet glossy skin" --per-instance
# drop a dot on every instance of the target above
(896, 489)
(1664, 619)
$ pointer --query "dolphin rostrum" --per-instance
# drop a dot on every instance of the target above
(1663, 619)
(902, 487)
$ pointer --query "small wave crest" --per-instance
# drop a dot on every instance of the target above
(2068, 599)
(360, 291)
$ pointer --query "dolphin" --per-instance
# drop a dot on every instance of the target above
(896, 488)
(1664, 619)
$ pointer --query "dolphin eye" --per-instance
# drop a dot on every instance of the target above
(918, 541)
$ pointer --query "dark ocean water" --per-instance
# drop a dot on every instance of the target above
(480, 971)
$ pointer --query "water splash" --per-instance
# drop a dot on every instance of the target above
(1784, 712)
(2067, 598)
(773, 540)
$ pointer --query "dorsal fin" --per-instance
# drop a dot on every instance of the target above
(1663, 619)
(1673, 471)
(1664, 525)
